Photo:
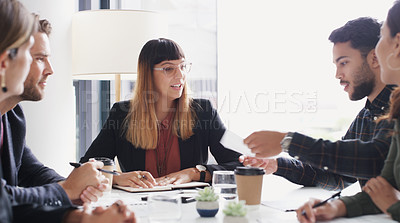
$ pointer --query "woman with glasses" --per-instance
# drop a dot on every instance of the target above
(380, 194)
(161, 136)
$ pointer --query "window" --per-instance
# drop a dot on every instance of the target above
(192, 24)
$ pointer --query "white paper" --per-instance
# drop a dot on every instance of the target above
(234, 142)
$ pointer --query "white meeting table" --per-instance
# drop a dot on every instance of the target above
(278, 194)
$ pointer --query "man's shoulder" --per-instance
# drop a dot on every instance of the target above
(17, 109)
(16, 114)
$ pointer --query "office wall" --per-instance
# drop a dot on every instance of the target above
(51, 122)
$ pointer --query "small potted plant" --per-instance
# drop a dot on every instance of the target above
(207, 202)
(235, 212)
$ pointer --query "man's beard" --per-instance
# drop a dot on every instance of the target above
(365, 80)
(31, 94)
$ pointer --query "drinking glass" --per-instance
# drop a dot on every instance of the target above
(224, 184)
(165, 207)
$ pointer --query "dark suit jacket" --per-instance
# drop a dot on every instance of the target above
(5, 205)
(36, 213)
(27, 212)
(208, 131)
(21, 168)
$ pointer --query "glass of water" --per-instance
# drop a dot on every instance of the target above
(224, 184)
(164, 207)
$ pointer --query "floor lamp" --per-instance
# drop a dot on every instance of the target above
(106, 43)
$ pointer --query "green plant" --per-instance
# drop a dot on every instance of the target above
(207, 194)
(236, 209)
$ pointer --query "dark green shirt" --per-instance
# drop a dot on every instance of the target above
(361, 203)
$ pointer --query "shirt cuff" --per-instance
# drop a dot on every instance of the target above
(394, 211)
(352, 208)
(359, 204)
(64, 199)
(282, 164)
(297, 139)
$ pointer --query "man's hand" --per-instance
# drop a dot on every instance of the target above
(135, 179)
(116, 213)
(82, 177)
(265, 143)
(382, 193)
(269, 165)
(90, 194)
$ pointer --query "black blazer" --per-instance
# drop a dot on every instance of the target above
(5, 210)
(28, 212)
(208, 131)
(27, 179)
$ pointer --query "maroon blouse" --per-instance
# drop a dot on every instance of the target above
(165, 159)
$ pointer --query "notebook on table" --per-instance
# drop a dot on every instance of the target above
(163, 188)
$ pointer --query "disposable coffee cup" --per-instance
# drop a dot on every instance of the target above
(108, 165)
(249, 185)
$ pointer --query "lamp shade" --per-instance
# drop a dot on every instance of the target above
(108, 42)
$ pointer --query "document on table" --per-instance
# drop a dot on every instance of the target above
(163, 188)
(234, 142)
(296, 198)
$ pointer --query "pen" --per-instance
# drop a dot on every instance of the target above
(318, 204)
(290, 210)
(323, 202)
(76, 165)
(184, 199)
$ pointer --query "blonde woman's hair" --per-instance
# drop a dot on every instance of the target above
(16, 26)
(141, 128)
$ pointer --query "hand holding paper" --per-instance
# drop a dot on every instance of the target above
(262, 144)
(265, 143)
(234, 142)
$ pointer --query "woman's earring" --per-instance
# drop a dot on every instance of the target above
(388, 63)
(3, 83)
